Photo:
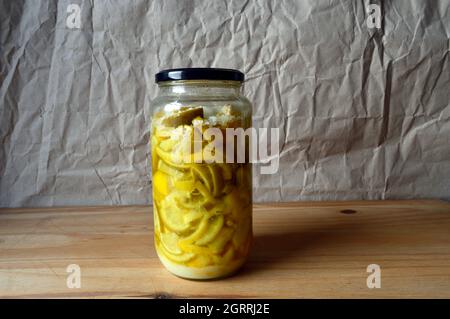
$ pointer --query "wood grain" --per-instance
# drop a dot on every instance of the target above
(307, 249)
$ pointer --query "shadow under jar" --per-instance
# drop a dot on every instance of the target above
(202, 184)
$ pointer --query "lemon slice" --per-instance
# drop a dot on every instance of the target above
(167, 145)
(226, 258)
(213, 229)
(160, 182)
(170, 243)
(172, 217)
(166, 156)
(170, 159)
(203, 190)
(188, 201)
(224, 236)
(202, 228)
(200, 261)
(193, 216)
(184, 257)
(191, 248)
(162, 132)
(205, 176)
(187, 185)
(169, 170)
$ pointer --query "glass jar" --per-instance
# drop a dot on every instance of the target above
(202, 198)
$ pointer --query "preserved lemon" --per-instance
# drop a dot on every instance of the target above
(204, 216)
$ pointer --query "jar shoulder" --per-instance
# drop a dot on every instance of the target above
(168, 103)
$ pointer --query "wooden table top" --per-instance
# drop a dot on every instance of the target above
(301, 250)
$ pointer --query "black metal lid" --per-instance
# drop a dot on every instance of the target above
(199, 74)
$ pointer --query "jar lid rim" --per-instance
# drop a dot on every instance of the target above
(199, 74)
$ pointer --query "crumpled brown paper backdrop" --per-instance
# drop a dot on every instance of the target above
(364, 113)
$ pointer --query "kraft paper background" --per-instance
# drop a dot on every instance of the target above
(364, 112)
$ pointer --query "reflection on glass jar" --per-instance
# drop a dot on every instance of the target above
(202, 204)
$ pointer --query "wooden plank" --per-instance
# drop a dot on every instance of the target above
(306, 249)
